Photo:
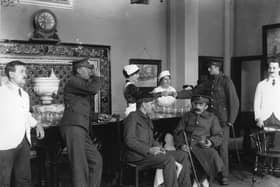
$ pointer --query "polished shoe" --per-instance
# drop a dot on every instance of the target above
(224, 181)
(203, 183)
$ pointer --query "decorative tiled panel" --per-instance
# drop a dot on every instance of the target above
(22, 50)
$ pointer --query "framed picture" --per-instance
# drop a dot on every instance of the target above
(271, 42)
(66, 4)
(149, 71)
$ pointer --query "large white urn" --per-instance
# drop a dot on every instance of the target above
(46, 87)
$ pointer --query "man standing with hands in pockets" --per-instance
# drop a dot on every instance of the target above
(266, 101)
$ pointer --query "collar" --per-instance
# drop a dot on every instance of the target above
(204, 114)
(142, 114)
(216, 76)
(270, 79)
(129, 81)
(80, 77)
(164, 87)
(12, 86)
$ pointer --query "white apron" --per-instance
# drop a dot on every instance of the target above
(130, 108)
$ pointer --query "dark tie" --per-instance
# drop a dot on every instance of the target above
(273, 82)
(19, 92)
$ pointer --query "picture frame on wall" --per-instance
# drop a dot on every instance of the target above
(271, 42)
(149, 71)
(65, 4)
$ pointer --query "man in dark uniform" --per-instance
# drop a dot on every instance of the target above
(204, 135)
(143, 150)
(86, 161)
(224, 104)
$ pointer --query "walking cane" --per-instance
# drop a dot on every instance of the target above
(235, 143)
(191, 161)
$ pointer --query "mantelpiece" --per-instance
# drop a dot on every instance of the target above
(42, 57)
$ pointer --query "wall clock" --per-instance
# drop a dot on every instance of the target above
(44, 23)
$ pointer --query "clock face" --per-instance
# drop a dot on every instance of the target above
(45, 21)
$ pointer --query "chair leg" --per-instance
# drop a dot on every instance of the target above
(120, 177)
(255, 170)
(136, 177)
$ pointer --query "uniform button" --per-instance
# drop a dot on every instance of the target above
(197, 122)
(212, 106)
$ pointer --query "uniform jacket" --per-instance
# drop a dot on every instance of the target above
(196, 127)
(225, 102)
(138, 136)
(78, 94)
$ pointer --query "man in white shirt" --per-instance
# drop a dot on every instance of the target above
(266, 102)
(15, 124)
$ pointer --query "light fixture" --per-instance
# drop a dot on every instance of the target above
(6, 3)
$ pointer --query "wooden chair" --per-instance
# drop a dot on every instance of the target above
(266, 153)
(136, 171)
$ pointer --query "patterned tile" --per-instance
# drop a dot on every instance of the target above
(24, 49)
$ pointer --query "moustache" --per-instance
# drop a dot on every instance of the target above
(196, 110)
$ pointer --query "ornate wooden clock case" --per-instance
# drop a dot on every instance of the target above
(44, 23)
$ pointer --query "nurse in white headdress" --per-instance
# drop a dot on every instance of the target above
(131, 91)
(166, 94)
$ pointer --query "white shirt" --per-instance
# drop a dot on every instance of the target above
(15, 118)
(267, 99)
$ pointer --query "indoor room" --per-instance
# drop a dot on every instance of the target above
(121, 93)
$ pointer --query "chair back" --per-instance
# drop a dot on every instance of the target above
(263, 141)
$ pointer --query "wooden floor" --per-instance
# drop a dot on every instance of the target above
(241, 176)
(238, 178)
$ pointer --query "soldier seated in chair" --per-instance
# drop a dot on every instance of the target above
(142, 149)
(203, 136)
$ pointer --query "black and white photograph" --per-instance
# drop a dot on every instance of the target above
(139, 93)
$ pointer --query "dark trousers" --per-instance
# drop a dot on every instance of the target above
(85, 160)
(16, 161)
(223, 150)
(167, 163)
